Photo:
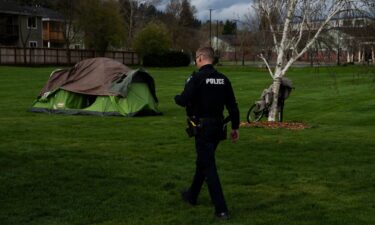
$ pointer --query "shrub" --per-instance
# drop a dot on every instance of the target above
(167, 59)
(153, 39)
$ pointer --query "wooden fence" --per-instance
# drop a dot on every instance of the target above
(58, 56)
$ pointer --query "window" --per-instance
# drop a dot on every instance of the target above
(56, 27)
(347, 23)
(33, 44)
(31, 23)
(359, 23)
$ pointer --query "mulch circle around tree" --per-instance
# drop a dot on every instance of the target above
(276, 125)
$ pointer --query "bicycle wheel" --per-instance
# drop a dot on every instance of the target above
(252, 115)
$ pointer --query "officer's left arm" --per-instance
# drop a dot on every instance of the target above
(231, 106)
(187, 94)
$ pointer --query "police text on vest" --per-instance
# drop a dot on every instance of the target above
(214, 81)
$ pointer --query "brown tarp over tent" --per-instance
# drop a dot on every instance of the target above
(98, 86)
(91, 77)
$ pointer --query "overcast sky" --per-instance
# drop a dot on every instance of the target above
(221, 9)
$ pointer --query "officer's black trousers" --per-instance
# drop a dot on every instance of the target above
(206, 170)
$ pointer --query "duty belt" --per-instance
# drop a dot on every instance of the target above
(196, 122)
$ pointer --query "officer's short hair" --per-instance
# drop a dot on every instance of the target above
(207, 52)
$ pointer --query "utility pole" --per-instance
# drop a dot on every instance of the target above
(338, 42)
(235, 42)
(210, 29)
(217, 37)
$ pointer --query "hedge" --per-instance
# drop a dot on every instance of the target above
(167, 59)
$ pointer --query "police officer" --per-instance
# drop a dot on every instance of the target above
(205, 94)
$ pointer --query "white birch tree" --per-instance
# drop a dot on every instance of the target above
(296, 19)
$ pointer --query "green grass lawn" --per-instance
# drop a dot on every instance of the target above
(60, 169)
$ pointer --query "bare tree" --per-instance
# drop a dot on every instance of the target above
(295, 17)
(26, 31)
(182, 24)
(130, 10)
(243, 39)
(70, 28)
(101, 24)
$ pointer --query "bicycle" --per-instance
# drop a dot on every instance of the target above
(262, 107)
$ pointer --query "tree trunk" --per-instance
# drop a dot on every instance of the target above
(68, 55)
(130, 34)
(359, 56)
(24, 54)
(348, 57)
(275, 89)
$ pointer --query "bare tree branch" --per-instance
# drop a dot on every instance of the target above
(266, 11)
(283, 43)
(267, 65)
(334, 10)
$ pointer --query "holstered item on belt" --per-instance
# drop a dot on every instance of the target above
(192, 129)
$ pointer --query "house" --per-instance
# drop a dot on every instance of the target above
(30, 26)
(53, 28)
(348, 38)
(355, 35)
(226, 46)
(20, 26)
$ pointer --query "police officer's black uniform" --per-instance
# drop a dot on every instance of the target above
(204, 96)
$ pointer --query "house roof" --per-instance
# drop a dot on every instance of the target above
(366, 34)
(49, 14)
(343, 15)
(355, 14)
(10, 7)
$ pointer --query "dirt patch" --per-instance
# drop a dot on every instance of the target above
(276, 125)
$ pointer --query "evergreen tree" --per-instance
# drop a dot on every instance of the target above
(186, 17)
(230, 27)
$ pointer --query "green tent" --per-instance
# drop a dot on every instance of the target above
(98, 86)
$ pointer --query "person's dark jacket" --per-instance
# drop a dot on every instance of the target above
(206, 93)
